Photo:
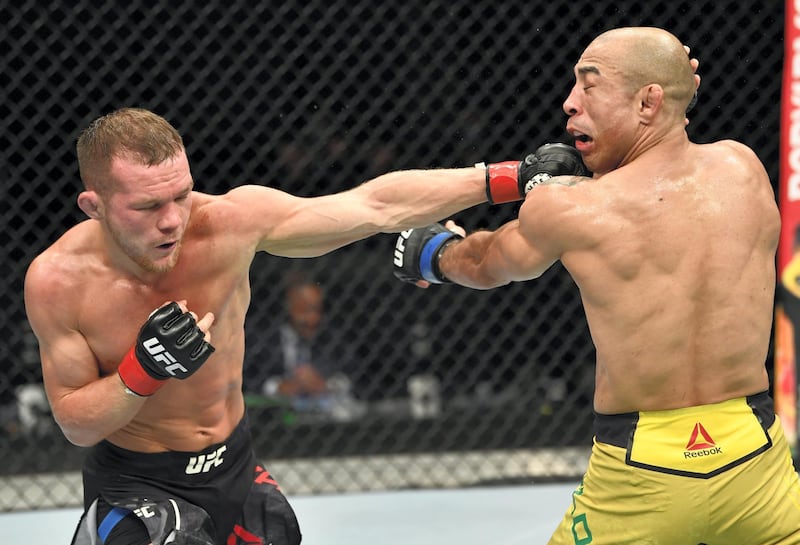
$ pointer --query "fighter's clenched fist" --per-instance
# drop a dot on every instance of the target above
(512, 180)
(417, 252)
(170, 345)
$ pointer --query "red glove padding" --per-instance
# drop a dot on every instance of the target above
(511, 180)
(135, 377)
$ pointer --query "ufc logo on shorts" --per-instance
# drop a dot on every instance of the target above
(144, 512)
(160, 354)
(204, 462)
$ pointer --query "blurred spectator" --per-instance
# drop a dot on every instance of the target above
(293, 362)
(23, 405)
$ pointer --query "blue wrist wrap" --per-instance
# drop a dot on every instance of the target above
(428, 254)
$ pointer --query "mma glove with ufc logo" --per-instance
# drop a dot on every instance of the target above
(169, 345)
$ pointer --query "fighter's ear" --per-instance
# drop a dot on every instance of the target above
(651, 101)
(89, 202)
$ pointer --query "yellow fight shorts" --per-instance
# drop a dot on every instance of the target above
(717, 474)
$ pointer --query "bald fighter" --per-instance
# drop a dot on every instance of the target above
(672, 245)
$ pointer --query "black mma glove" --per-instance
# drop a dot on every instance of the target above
(511, 180)
(169, 345)
(417, 253)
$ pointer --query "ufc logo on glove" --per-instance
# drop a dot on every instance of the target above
(160, 353)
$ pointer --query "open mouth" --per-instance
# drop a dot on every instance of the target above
(582, 141)
(579, 136)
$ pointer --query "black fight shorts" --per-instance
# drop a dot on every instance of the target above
(217, 496)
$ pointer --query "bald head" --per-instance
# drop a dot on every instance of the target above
(646, 55)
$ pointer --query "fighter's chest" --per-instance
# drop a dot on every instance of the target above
(112, 314)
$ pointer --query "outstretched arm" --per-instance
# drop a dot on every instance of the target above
(522, 249)
(306, 227)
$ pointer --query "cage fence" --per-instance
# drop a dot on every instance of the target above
(443, 387)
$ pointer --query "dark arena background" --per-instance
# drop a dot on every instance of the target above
(443, 387)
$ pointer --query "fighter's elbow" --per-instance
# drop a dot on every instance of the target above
(77, 433)
(80, 438)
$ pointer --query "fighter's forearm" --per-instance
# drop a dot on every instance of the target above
(465, 262)
(413, 198)
(390, 203)
(93, 412)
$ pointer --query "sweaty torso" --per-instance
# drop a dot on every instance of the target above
(211, 276)
(677, 278)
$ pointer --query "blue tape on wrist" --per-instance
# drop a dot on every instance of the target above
(112, 518)
(427, 255)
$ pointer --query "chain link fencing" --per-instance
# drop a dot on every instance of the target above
(449, 386)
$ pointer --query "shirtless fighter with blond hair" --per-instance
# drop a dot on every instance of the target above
(139, 312)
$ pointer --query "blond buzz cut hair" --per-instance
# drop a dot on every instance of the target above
(129, 132)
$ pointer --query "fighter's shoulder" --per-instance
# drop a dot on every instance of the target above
(561, 192)
(72, 248)
(731, 149)
(61, 269)
(731, 144)
(243, 216)
(248, 192)
(561, 204)
(243, 200)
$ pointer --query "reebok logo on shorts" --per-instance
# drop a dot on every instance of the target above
(700, 443)
(700, 439)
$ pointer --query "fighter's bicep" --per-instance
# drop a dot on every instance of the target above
(54, 297)
(68, 364)
(293, 226)
(517, 256)
(551, 222)
(67, 360)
